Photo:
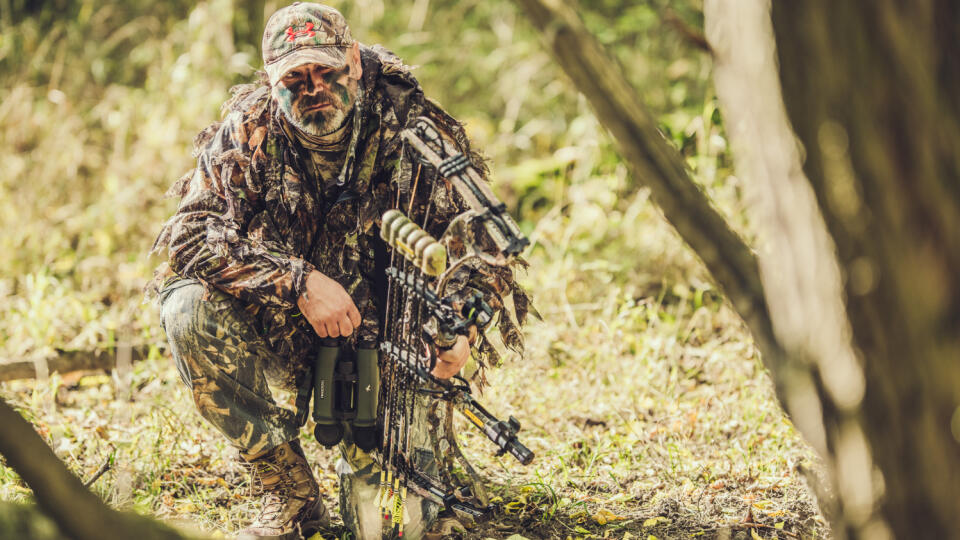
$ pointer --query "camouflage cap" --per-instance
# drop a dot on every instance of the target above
(304, 33)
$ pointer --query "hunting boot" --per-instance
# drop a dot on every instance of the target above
(292, 508)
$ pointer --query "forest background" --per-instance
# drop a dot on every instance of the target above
(641, 392)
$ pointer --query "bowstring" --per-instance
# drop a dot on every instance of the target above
(413, 343)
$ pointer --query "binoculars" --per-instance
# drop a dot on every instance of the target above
(346, 386)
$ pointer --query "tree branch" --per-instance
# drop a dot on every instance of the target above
(658, 165)
(69, 360)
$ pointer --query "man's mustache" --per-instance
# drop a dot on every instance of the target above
(323, 98)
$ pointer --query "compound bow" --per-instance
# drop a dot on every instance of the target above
(417, 280)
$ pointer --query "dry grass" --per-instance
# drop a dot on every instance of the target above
(646, 406)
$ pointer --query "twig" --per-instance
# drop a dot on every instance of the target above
(694, 37)
(100, 472)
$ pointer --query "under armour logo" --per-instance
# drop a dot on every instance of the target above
(307, 31)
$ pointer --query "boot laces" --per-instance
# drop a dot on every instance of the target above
(273, 493)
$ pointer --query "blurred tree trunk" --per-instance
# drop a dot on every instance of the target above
(25, 521)
(798, 264)
(872, 92)
(248, 23)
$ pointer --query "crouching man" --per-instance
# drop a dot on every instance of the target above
(272, 249)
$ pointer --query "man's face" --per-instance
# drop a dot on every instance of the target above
(316, 98)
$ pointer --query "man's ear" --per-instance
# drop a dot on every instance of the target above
(353, 58)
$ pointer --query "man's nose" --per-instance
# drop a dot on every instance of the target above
(315, 82)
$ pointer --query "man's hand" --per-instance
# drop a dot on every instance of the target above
(328, 307)
(451, 361)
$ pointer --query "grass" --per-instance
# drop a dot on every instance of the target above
(646, 405)
(641, 392)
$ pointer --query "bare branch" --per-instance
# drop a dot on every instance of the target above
(68, 360)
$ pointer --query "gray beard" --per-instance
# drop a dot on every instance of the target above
(326, 142)
(321, 126)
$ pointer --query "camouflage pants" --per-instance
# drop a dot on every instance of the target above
(221, 358)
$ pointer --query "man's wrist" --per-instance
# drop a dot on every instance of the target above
(300, 270)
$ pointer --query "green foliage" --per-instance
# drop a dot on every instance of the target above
(101, 127)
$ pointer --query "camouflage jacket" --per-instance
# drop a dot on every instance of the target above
(254, 220)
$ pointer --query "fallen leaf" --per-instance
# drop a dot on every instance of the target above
(187, 508)
(604, 516)
(512, 506)
(93, 380)
(654, 521)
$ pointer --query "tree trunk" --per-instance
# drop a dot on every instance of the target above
(797, 257)
(26, 521)
(872, 96)
(871, 90)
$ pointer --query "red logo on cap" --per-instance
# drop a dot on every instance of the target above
(307, 31)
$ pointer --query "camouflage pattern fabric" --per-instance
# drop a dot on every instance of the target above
(360, 482)
(220, 358)
(304, 33)
(255, 216)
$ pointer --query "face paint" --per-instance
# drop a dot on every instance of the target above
(300, 93)
(333, 80)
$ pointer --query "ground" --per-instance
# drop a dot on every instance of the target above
(647, 407)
